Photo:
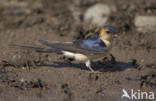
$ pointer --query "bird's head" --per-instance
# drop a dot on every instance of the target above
(107, 34)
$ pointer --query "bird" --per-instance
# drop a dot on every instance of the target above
(125, 94)
(84, 51)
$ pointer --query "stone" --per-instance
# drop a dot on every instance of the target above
(97, 14)
(145, 23)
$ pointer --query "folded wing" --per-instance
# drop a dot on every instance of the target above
(92, 45)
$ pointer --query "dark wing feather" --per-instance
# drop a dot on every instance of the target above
(68, 46)
(93, 44)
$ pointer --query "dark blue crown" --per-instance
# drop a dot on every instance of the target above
(111, 28)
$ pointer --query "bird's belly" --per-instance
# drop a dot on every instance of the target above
(77, 56)
(81, 57)
(97, 56)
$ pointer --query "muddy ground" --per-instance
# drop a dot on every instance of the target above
(29, 76)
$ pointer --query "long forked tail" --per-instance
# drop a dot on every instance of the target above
(37, 49)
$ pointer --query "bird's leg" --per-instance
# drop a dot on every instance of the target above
(88, 64)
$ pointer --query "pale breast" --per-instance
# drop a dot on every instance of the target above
(97, 56)
(81, 57)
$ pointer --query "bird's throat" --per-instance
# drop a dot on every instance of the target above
(107, 42)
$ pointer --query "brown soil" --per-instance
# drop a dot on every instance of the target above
(29, 76)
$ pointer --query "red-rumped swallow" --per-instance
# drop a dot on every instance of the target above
(93, 48)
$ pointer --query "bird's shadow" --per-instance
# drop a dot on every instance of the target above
(97, 66)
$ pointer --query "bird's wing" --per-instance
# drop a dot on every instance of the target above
(67, 46)
(91, 45)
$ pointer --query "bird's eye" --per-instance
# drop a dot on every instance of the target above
(108, 32)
